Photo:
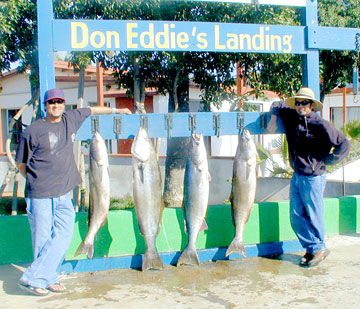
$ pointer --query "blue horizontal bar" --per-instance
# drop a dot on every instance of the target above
(158, 126)
(334, 38)
(170, 258)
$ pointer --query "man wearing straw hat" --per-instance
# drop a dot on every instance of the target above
(313, 143)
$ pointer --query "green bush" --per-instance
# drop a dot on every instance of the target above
(6, 205)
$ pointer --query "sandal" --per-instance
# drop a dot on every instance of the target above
(57, 288)
(33, 289)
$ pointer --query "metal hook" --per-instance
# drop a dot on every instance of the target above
(117, 126)
(95, 127)
(217, 124)
(144, 122)
(192, 123)
(168, 124)
(240, 122)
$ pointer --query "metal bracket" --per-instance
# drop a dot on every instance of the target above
(95, 127)
(217, 124)
(144, 122)
(256, 3)
(356, 69)
(168, 124)
(117, 126)
(264, 120)
(357, 42)
(240, 122)
(192, 123)
(355, 79)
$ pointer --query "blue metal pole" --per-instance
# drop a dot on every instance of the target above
(46, 54)
(310, 61)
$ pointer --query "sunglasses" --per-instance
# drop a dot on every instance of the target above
(303, 103)
(55, 101)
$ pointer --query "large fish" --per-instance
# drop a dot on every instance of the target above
(99, 192)
(243, 189)
(196, 196)
(147, 190)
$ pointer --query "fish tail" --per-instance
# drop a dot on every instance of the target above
(236, 246)
(152, 260)
(189, 257)
(85, 248)
(204, 226)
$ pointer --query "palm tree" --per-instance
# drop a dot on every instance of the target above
(266, 161)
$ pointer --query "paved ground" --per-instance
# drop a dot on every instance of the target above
(243, 283)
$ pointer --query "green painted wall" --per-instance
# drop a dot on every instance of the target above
(268, 222)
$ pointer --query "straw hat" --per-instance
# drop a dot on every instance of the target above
(307, 94)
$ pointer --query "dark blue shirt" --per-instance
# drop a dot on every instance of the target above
(47, 150)
(313, 142)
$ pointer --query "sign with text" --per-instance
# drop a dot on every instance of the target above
(127, 35)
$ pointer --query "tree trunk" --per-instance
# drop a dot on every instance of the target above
(175, 170)
(139, 89)
(176, 149)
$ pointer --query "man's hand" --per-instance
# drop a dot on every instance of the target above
(272, 125)
(123, 111)
(22, 168)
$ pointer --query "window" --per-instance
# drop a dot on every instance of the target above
(336, 115)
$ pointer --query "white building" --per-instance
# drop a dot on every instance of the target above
(15, 93)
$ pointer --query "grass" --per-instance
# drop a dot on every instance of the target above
(6, 205)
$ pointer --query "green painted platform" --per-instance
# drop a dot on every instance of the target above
(268, 223)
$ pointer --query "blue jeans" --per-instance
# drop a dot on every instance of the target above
(307, 210)
(52, 225)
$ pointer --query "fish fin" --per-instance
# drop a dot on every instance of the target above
(141, 168)
(203, 226)
(236, 246)
(185, 228)
(152, 260)
(248, 171)
(87, 249)
(188, 257)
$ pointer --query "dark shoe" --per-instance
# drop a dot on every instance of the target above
(313, 259)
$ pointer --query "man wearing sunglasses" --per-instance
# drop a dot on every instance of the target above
(45, 158)
(313, 143)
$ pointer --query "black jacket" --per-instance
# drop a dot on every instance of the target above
(313, 141)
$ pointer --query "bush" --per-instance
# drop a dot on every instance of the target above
(6, 204)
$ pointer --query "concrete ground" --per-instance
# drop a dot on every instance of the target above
(276, 282)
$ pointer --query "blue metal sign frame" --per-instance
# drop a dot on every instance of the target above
(306, 40)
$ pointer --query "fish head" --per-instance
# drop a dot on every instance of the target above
(196, 143)
(245, 136)
(246, 147)
(98, 150)
(141, 147)
(197, 149)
